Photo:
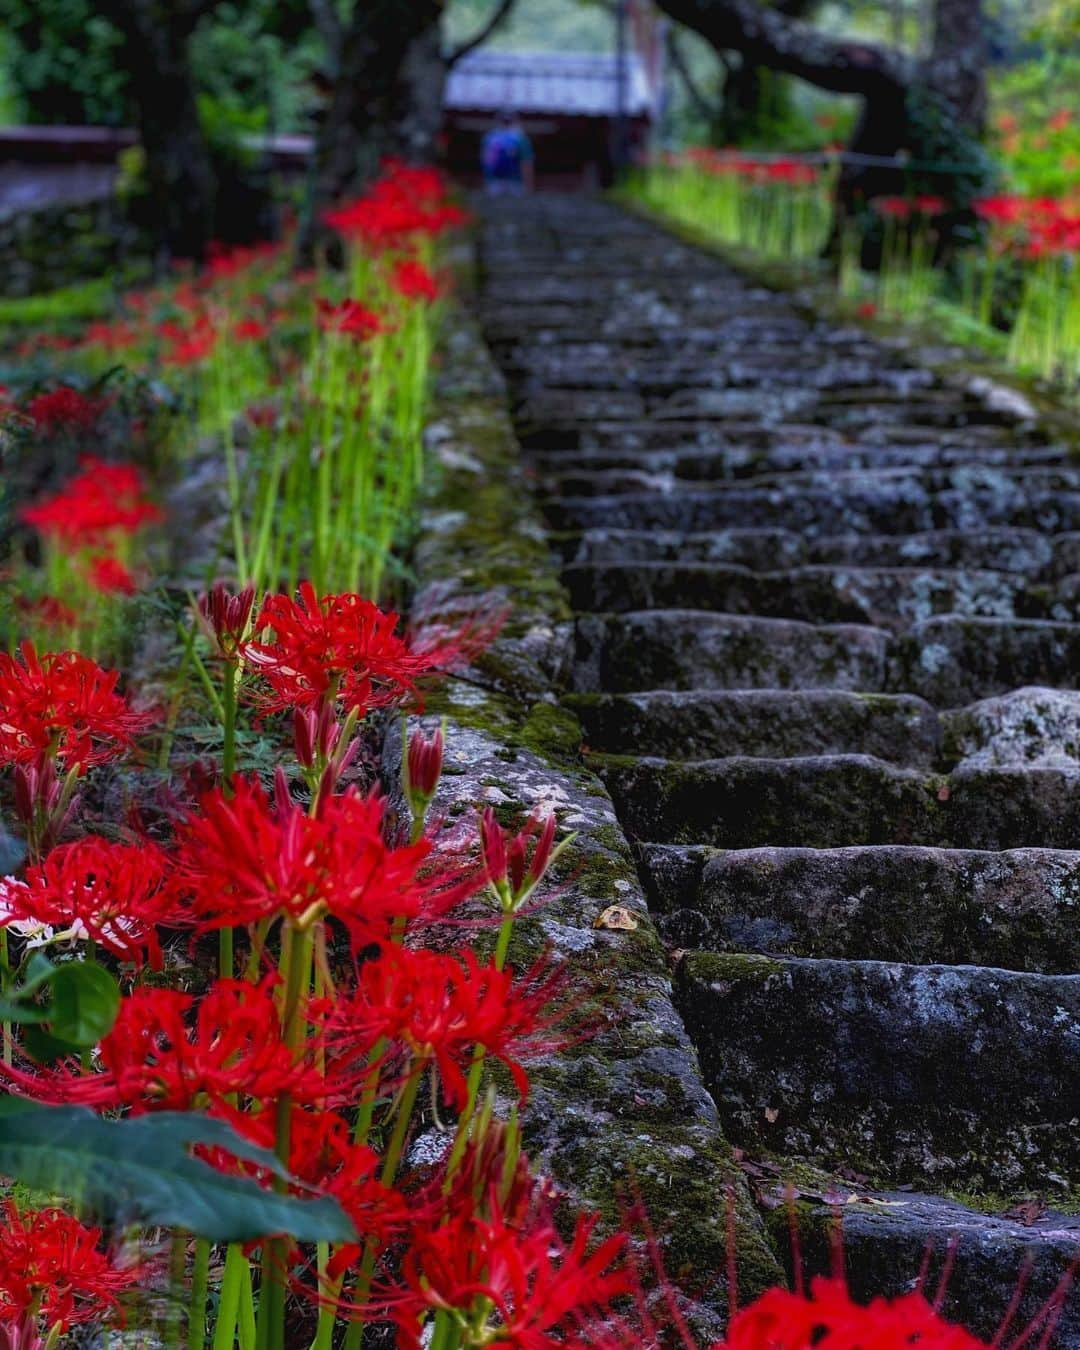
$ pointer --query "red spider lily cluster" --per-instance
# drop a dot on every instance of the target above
(347, 1026)
(64, 409)
(408, 203)
(1032, 227)
(761, 169)
(55, 1269)
(90, 531)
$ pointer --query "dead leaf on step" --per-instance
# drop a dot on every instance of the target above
(1026, 1212)
(772, 1114)
(616, 916)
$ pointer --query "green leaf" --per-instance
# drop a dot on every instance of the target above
(85, 1001)
(141, 1170)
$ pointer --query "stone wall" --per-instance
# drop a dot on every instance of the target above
(53, 246)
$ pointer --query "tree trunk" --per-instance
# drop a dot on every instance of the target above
(956, 69)
(179, 171)
(382, 55)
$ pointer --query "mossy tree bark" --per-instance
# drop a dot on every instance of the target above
(179, 169)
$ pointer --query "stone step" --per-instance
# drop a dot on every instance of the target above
(887, 509)
(694, 649)
(699, 724)
(894, 597)
(768, 433)
(572, 472)
(1015, 909)
(1010, 1262)
(951, 660)
(1004, 550)
(832, 801)
(965, 1074)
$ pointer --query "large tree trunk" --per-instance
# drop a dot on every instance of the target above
(389, 71)
(179, 171)
(378, 60)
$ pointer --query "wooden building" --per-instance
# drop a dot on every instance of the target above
(567, 103)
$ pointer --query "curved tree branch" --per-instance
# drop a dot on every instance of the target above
(498, 17)
(765, 37)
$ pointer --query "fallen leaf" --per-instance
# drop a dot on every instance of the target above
(772, 1114)
(616, 916)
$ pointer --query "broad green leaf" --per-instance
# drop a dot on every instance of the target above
(85, 1001)
(142, 1170)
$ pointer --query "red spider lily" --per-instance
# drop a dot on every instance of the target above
(437, 1008)
(519, 1284)
(169, 1051)
(929, 205)
(63, 705)
(867, 310)
(109, 576)
(349, 318)
(52, 1268)
(47, 611)
(792, 171)
(896, 208)
(1003, 210)
(405, 203)
(344, 649)
(830, 1318)
(98, 504)
(413, 281)
(107, 892)
(509, 869)
(193, 345)
(65, 408)
(241, 861)
(111, 336)
(250, 330)
(1059, 120)
(324, 1157)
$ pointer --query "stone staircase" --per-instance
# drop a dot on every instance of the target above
(827, 644)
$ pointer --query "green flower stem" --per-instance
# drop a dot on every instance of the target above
(297, 946)
(228, 768)
(391, 1161)
(229, 1300)
(177, 1271)
(200, 1281)
(476, 1069)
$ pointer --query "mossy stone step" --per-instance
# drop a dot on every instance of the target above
(572, 472)
(953, 660)
(758, 549)
(1015, 909)
(832, 801)
(1004, 550)
(887, 508)
(894, 597)
(699, 724)
(688, 649)
(987, 1264)
(966, 1074)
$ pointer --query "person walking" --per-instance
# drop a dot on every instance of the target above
(507, 158)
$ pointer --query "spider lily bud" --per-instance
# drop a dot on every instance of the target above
(511, 871)
(226, 617)
(44, 802)
(324, 746)
(422, 771)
